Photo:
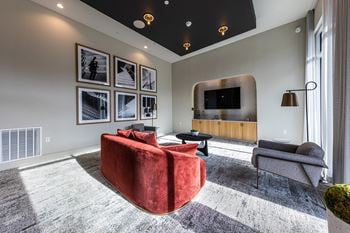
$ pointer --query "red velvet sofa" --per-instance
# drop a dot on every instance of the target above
(157, 179)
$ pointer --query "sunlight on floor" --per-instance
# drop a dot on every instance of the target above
(238, 205)
(74, 192)
(222, 147)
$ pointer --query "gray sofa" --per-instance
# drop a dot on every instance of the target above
(302, 163)
(143, 128)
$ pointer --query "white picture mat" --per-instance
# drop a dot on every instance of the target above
(143, 117)
(80, 106)
(116, 59)
(117, 94)
(153, 73)
(80, 79)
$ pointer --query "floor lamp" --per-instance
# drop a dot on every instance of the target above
(153, 108)
(290, 100)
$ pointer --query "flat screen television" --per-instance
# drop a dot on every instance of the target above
(229, 98)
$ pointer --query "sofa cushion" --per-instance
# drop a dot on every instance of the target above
(184, 148)
(310, 149)
(126, 133)
(148, 138)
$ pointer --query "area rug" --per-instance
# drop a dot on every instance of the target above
(72, 196)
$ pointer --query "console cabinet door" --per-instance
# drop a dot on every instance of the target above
(249, 131)
(203, 126)
(229, 129)
(196, 125)
(214, 128)
(225, 130)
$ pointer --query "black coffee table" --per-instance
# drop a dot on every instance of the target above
(200, 138)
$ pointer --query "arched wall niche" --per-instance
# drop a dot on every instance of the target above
(248, 110)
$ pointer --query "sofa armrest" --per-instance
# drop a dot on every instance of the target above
(278, 146)
(157, 180)
(150, 128)
(187, 172)
(290, 157)
(184, 148)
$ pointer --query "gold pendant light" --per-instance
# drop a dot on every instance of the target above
(223, 29)
(187, 45)
(148, 18)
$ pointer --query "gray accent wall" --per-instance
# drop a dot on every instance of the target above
(247, 112)
(276, 59)
(38, 75)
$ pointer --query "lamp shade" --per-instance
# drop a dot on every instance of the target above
(289, 100)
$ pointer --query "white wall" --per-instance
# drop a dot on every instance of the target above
(37, 76)
(274, 58)
(38, 73)
(318, 11)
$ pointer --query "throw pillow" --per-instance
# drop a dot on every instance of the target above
(184, 148)
(148, 138)
(310, 149)
(126, 133)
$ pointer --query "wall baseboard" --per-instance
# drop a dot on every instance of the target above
(48, 158)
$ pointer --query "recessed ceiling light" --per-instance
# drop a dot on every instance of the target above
(145, 47)
(166, 2)
(60, 5)
(298, 30)
(139, 24)
(188, 24)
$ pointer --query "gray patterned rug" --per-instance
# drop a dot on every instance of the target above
(72, 196)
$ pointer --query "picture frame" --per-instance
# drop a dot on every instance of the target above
(125, 106)
(93, 66)
(148, 79)
(125, 73)
(93, 106)
(146, 104)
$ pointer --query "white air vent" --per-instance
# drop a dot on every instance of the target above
(18, 144)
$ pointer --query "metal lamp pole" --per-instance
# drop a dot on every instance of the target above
(306, 89)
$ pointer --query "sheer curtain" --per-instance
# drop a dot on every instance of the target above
(327, 86)
(314, 97)
(341, 152)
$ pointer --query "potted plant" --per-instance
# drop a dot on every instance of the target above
(337, 200)
(194, 132)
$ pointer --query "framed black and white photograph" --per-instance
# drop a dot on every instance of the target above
(148, 107)
(148, 79)
(125, 106)
(92, 66)
(93, 106)
(125, 73)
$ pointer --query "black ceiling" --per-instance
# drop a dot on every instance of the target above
(169, 29)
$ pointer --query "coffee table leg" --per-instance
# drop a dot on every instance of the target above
(183, 141)
(204, 150)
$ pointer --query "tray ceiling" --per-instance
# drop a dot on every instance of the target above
(169, 26)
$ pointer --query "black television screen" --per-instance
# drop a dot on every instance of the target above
(229, 98)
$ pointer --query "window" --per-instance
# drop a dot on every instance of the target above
(317, 101)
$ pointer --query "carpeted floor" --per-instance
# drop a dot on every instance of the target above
(72, 196)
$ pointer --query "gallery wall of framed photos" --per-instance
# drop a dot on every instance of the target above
(133, 86)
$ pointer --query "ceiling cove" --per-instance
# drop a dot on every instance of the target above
(177, 22)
